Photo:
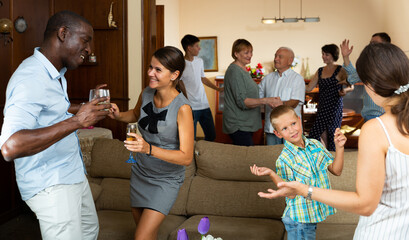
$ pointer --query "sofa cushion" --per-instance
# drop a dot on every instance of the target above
(179, 207)
(332, 231)
(231, 228)
(108, 159)
(229, 162)
(114, 195)
(96, 190)
(232, 198)
(116, 225)
(345, 182)
(94, 180)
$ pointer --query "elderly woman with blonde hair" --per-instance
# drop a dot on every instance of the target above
(241, 114)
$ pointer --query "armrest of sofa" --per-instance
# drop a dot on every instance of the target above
(96, 190)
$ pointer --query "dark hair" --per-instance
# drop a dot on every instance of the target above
(63, 19)
(331, 49)
(384, 36)
(239, 45)
(172, 59)
(385, 67)
(278, 111)
(189, 40)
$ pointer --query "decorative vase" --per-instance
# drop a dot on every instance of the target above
(307, 74)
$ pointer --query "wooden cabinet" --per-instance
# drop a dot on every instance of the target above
(258, 137)
(110, 48)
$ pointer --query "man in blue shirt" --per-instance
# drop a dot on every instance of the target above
(39, 131)
(370, 109)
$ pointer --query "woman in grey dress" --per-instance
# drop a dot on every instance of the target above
(165, 121)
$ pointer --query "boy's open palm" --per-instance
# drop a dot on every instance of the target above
(260, 171)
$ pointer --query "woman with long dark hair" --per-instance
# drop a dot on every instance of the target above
(165, 121)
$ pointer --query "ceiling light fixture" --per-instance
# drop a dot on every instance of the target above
(289, 20)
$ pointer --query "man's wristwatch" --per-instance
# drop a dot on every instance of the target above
(309, 194)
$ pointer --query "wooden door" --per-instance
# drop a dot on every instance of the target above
(160, 26)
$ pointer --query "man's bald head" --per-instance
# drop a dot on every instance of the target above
(283, 59)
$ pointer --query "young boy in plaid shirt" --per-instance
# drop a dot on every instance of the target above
(306, 161)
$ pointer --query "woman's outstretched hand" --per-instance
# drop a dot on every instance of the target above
(285, 189)
(114, 112)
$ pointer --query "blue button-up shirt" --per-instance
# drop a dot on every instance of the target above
(369, 109)
(36, 99)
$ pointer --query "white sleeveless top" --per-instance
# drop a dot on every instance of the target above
(391, 218)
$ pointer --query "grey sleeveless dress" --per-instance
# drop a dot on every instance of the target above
(155, 183)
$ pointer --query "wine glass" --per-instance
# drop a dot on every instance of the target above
(130, 128)
(96, 93)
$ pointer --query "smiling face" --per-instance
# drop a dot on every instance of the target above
(159, 76)
(288, 126)
(327, 58)
(244, 56)
(76, 45)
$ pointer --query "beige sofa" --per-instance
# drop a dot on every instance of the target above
(219, 185)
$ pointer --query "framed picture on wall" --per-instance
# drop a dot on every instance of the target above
(208, 53)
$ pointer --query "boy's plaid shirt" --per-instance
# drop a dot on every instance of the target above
(309, 166)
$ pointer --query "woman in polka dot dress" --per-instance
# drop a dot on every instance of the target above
(329, 111)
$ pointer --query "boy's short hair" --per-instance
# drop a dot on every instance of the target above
(189, 40)
(278, 111)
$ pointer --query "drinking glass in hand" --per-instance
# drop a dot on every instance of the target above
(131, 128)
(97, 93)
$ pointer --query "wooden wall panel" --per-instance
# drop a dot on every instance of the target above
(5, 59)
(160, 26)
(149, 42)
(95, 11)
(110, 49)
(36, 13)
(8, 185)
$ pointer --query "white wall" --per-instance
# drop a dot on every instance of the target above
(134, 51)
(172, 22)
(135, 41)
(397, 22)
(233, 19)
(229, 20)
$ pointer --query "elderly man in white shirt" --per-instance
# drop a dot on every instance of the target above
(287, 86)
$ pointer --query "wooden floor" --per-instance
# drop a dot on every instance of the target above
(23, 227)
